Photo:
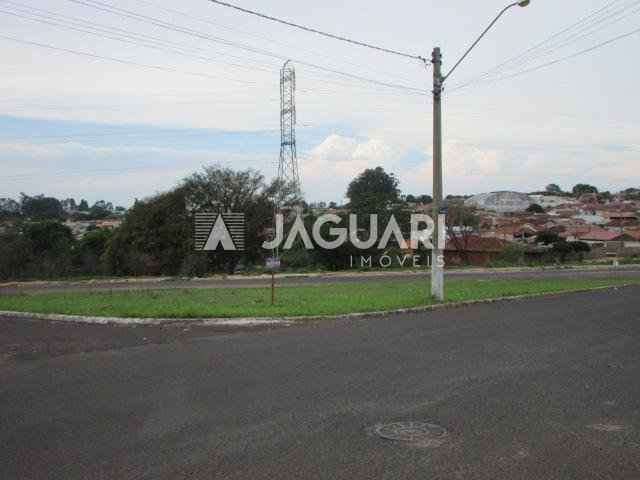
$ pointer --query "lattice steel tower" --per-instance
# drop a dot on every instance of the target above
(288, 164)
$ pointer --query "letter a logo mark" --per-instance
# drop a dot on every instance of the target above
(213, 230)
(220, 235)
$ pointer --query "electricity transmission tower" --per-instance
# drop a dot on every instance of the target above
(288, 164)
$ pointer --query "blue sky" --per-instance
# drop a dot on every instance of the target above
(201, 86)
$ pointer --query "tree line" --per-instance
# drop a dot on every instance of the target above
(157, 234)
(41, 207)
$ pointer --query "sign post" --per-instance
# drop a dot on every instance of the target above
(273, 265)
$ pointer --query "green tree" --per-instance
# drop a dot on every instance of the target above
(631, 194)
(101, 209)
(583, 188)
(9, 208)
(562, 250)
(554, 189)
(41, 207)
(373, 191)
(89, 251)
(535, 208)
(154, 238)
(605, 196)
(15, 255)
(51, 246)
(548, 238)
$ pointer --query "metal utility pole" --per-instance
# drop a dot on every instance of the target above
(437, 262)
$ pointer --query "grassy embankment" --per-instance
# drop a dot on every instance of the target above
(290, 301)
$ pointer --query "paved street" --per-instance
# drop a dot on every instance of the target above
(536, 389)
(239, 281)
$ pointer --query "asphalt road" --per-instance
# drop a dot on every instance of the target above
(536, 389)
(239, 281)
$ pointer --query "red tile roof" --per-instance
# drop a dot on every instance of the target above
(599, 235)
(473, 243)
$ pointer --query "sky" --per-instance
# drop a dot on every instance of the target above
(118, 100)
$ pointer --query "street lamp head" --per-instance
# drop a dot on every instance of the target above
(524, 3)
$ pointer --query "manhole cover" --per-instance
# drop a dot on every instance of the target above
(419, 433)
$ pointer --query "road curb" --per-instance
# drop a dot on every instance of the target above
(133, 281)
(288, 321)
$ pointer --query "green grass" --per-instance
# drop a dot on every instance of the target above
(290, 301)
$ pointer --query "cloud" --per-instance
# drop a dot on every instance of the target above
(476, 168)
(117, 174)
(329, 167)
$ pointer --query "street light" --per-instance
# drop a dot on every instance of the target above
(437, 260)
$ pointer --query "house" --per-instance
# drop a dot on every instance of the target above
(552, 201)
(600, 235)
(513, 233)
(110, 224)
(473, 250)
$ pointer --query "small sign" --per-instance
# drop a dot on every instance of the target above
(273, 264)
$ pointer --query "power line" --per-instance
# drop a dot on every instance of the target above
(118, 60)
(582, 33)
(194, 33)
(568, 57)
(269, 39)
(320, 32)
(114, 34)
(554, 42)
(95, 29)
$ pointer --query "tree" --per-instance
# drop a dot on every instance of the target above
(410, 199)
(548, 238)
(90, 250)
(83, 206)
(15, 254)
(156, 236)
(605, 197)
(562, 250)
(424, 199)
(101, 209)
(41, 207)
(535, 208)
(373, 191)
(631, 194)
(554, 189)
(50, 245)
(9, 208)
(583, 188)
(69, 205)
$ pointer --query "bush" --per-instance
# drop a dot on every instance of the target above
(88, 257)
(513, 255)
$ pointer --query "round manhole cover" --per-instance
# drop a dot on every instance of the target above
(419, 433)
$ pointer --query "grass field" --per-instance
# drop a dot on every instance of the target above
(290, 301)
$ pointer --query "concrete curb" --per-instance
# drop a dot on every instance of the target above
(373, 274)
(288, 321)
